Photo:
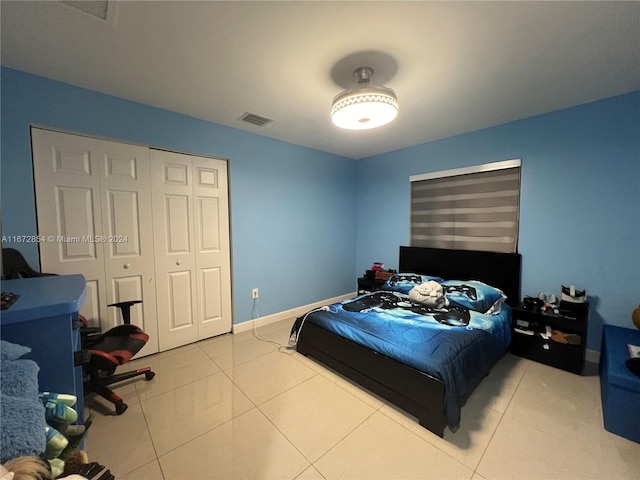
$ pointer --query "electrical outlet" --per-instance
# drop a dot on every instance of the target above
(255, 293)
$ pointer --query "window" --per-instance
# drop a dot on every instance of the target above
(475, 208)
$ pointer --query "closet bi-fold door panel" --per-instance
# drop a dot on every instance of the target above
(191, 229)
(93, 201)
(212, 246)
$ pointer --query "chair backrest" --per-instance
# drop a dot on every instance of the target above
(14, 266)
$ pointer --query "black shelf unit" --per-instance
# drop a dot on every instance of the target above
(367, 285)
(558, 340)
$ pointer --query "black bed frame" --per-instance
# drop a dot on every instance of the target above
(416, 392)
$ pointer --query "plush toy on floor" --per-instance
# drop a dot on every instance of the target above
(59, 414)
(25, 468)
(63, 438)
(77, 467)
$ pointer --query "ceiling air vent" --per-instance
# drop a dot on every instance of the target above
(254, 119)
(97, 8)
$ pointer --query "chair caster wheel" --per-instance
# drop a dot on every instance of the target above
(121, 407)
(149, 375)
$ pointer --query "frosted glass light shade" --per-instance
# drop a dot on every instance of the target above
(364, 107)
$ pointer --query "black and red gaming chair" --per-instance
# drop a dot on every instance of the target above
(106, 351)
(111, 349)
(15, 267)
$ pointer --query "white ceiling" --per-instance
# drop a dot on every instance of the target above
(456, 66)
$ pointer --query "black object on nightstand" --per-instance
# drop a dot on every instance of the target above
(367, 285)
(558, 340)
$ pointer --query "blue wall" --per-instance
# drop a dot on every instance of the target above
(580, 200)
(305, 223)
(292, 208)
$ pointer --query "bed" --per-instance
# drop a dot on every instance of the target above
(398, 370)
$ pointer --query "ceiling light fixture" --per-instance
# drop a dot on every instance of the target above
(364, 106)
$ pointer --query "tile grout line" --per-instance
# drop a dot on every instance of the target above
(423, 439)
(342, 439)
(502, 415)
(153, 444)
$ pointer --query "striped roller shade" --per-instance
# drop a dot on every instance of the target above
(475, 208)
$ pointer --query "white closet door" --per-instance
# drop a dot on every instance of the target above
(175, 258)
(128, 234)
(67, 184)
(213, 265)
(191, 222)
(94, 211)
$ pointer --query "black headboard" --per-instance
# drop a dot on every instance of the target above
(501, 270)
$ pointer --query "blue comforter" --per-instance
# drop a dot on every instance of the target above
(455, 345)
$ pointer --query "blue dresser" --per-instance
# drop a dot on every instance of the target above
(42, 319)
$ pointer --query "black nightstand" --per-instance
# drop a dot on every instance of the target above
(558, 340)
(367, 285)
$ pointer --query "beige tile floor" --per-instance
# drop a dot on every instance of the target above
(234, 407)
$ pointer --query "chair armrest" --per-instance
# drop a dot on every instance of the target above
(125, 308)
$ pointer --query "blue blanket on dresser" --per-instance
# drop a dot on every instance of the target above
(21, 411)
(455, 344)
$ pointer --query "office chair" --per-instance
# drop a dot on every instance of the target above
(15, 267)
(104, 352)
(111, 349)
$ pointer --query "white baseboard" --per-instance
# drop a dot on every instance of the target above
(592, 356)
(287, 314)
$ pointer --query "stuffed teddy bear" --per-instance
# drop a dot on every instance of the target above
(76, 467)
(430, 294)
